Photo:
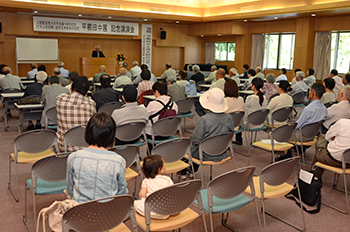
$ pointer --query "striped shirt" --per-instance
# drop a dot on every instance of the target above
(144, 86)
(72, 110)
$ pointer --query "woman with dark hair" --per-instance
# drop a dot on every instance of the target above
(145, 84)
(94, 172)
(234, 103)
(256, 101)
(283, 100)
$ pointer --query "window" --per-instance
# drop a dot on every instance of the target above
(225, 51)
(279, 51)
(340, 53)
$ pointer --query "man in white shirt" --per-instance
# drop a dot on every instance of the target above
(346, 79)
(259, 73)
(31, 73)
(248, 83)
(300, 86)
(220, 80)
(169, 74)
(338, 111)
(123, 79)
(212, 76)
(235, 76)
(64, 72)
(311, 79)
(282, 76)
(338, 137)
(338, 81)
(136, 70)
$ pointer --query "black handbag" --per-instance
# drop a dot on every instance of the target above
(310, 193)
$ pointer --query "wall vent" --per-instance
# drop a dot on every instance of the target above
(102, 4)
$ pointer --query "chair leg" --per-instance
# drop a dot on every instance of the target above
(10, 182)
(25, 206)
(211, 172)
(250, 153)
(224, 222)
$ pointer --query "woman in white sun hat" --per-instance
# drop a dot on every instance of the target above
(214, 122)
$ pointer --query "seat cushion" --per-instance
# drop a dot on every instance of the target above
(277, 147)
(333, 169)
(160, 141)
(121, 228)
(223, 205)
(185, 115)
(309, 143)
(47, 187)
(175, 166)
(130, 174)
(197, 161)
(171, 223)
(29, 158)
(258, 129)
(138, 143)
(270, 191)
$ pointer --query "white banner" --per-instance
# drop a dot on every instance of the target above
(48, 24)
(147, 45)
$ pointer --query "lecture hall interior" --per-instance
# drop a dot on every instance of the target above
(290, 27)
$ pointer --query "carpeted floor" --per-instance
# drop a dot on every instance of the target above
(245, 219)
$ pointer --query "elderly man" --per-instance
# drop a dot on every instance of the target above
(10, 82)
(259, 73)
(338, 111)
(97, 52)
(135, 70)
(123, 79)
(233, 73)
(311, 79)
(300, 86)
(57, 72)
(169, 74)
(50, 93)
(338, 81)
(106, 94)
(125, 65)
(212, 76)
(102, 70)
(73, 110)
(138, 79)
(346, 79)
(176, 91)
(31, 73)
(220, 80)
(198, 76)
(282, 76)
(64, 72)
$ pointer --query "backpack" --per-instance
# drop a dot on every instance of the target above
(165, 112)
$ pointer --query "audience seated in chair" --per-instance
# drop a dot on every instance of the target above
(329, 95)
(123, 79)
(176, 91)
(31, 74)
(145, 84)
(269, 89)
(212, 76)
(169, 74)
(138, 78)
(57, 73)
(10, 82)
(106, 94)
(310, 79)
(300, 86)
(95, 172)
(71, 76)
(338, 81)
(220, 79)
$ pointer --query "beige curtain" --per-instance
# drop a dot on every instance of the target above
(322, 54)
(258, 49)
(210, 53)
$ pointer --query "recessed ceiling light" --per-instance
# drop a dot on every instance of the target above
(275, 17)
(202, 35)
(219, 34)
(245, 20)
(145, 20)
(313, 15)
(80, 15)
(177, 21)
(35, 12)
(109, 17)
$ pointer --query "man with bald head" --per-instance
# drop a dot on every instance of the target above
(339, 110)
(31, 73)
(57, 72)
(169, 74)
(220, 79)
(97, 52)
(123, 79)
(97, 76)
(10, 82)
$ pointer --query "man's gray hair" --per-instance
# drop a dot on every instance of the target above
(97, 46)
(213, 67)
(60, 64)
(41, 76)
(233, 71)
(258, 69)
(135, 63)
(56, 71)
(123, 71)
(196, 68)
(301, 75)
(270, 78)
(346, 91)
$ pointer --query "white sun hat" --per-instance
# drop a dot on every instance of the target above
(214, 100)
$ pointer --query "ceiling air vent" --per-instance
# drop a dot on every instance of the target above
(102, 4)
(250, 8)
(156, 9)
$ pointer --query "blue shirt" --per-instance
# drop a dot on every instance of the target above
(64, 72)
(94, 174)
(314, 112)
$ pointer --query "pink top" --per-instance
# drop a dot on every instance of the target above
(269, 89)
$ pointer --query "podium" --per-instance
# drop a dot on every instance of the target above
(90, 66)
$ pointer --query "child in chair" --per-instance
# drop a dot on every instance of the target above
(153, 168)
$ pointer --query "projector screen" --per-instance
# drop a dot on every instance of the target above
(29, 49)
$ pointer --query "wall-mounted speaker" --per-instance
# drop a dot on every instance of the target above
(162, 34)
(0, 27)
